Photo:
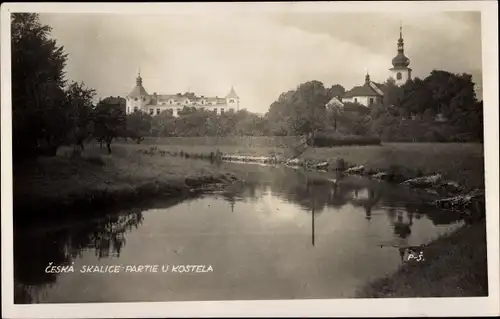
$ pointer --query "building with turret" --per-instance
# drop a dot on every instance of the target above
(139, 100)
(400, 70)
(367, 94)
(371, 93)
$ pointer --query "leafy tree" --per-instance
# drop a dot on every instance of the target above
(335, 90)
(416, 98)
(79, 103)
(163, 124)
(301, 111)
(109, 120)
(138, 126)
(39, 117)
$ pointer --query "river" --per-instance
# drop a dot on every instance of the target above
(293, 235)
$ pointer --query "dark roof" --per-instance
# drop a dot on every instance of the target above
(138, 91)
(368, 89)
(232, 94)
(400, 61)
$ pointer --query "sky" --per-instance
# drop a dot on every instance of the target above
(261, 55)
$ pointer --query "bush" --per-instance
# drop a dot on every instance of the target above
(330, 140)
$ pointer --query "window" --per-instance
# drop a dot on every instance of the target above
(128, 109)
(221, 111)
(171, 102)
(151, 111)
(231, 101)
(355, 100)
(371, 101)
(157, 111)
(215, 110)
(135, 109)
(135, 99)
(178, 110)
(399, 76)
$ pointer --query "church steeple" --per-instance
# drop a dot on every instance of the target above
(400, 40)
(400, 71)
(138, 80)
(401, 61)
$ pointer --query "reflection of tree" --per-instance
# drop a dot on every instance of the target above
(230, 198)
(33, 254)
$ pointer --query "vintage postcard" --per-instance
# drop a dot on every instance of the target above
(249, 159)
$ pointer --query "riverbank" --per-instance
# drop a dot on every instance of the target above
(454, 266)
(461, 163)
(84, 185)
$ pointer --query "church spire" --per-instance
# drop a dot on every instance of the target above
(400, 40)
(138, 80)
(400, 61)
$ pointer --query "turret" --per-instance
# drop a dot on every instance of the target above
(138, 97)
(233, 100)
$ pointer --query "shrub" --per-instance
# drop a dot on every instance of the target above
(95, 160)
(330, 140)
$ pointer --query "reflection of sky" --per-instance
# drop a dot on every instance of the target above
(262, 249)
(259, 240)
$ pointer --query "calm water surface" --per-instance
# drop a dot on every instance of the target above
(293, 235)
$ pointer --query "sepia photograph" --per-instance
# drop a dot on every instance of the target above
(250, 152)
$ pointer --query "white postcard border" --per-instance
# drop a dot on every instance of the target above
(480, 306)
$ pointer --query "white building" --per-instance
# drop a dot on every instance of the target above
(367, 94)
(139, 100)
(400, 71)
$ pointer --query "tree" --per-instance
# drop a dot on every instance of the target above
(79, 102)
(300, 111)
(39, 117)
(109, 120)
(163, 124)
(416, 98)
(138, 126)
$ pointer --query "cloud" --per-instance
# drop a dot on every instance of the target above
(261, 55)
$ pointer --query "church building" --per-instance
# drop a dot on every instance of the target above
(367, 94)
(400, 71)
(139, 100)
(371, 93)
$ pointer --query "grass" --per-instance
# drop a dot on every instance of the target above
(463, 163)
(455, 266)
(53, 185)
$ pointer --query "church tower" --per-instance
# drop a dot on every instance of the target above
(233, 100)
(400, 71)
(138, 97)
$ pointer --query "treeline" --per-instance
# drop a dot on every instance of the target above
(47, 112)
(441, 108)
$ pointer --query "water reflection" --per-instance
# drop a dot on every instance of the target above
(61, 246)
(325, 208)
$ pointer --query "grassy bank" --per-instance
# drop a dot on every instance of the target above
(463, 163)
(50, 187)
(455, 266)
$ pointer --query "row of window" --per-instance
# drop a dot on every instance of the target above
(371, 101)
(158, 110)
(186, 102)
